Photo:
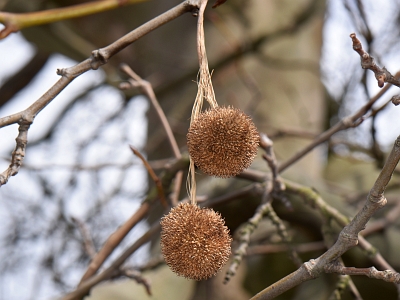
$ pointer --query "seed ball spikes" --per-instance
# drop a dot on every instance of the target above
(223, 141)
(195, 242)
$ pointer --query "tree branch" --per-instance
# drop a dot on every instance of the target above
(87, 239)
(135, 275)
(153, 176)
(348, 237)
(145, 86)
(86, 286)
(387, 275)
(368, 62)
(115, 239)
(348, 122)
(99, 57)
(16, 21)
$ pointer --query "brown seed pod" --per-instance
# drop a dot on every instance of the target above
(223, 141)
(195, 242)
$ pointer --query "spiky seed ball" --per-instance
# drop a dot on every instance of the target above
(223, 141)
(195, 242)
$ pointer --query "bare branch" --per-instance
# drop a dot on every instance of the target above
(348, 122)
(87, 239)
(264, 209)
(18, 154)
(114, 240)
(367, 62)
(244, 238)
(348, 237)
(135, 275)
(387, 275)
(147, 88)
(99, 57)
(314, 200)
(153, 176)
(154, 164)
(84, 288)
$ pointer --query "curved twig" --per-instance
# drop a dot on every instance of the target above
(153, 176)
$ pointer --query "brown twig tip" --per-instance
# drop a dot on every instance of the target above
(195, 242)
(382, 75)
(381, 79)
(223, 141)
(356, 42)
(396, 100)
(218, 3)
(7, 30)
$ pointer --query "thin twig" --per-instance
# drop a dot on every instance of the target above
(147, 88)
(368, 62)
(305, 247)
(272, 187)
(154, 164)
(283, 132)
(86, 286)
(16, 21)
(278, 187)
(314, 200)
(135, 275)
(384, 222)
(387, 275)
(87, 239)
(153, 176)
(244, 238)
(153, 263)
(348, 122)
(114, 240)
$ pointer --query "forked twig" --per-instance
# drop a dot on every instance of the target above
(146, 87)
(135, 275)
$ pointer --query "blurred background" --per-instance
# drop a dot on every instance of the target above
(288, 64)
